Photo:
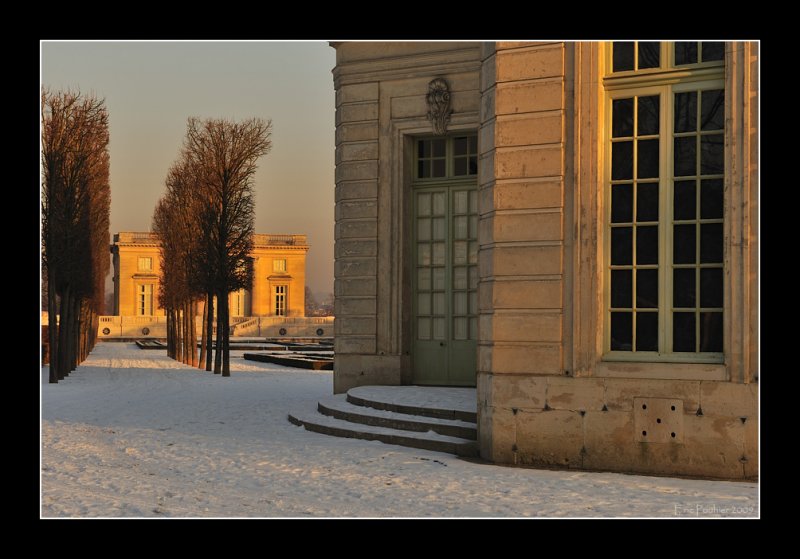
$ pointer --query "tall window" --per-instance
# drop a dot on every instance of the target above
(279, 265)
(280, 300)
(145, 264)
(664, 199)
(455, 156)
(145, 299)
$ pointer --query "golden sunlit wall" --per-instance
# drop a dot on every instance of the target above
(278, 284)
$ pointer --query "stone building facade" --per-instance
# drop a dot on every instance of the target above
(571, 227)
(278, 287)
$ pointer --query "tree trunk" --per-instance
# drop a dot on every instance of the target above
(75, 333)
(226, 338)
(63, 346)
(218, 355)
(173, 334)
(181, 336)
(210, 329)
(52, 329)
(203, 333)
(193, 331)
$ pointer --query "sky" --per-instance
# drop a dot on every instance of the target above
(151, 88)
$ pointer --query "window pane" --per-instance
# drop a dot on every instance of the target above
(683, 333)
(647, 202)
(424, 279)
(622, 119)
(438, 147)
(621, 289)
(711, 287)
(647, 245)
(647, 159)
(438, 167)
(647, 289)
(460, 303)
(648, 114)
(460, 166)
(439, 304)
(686, 111)
(712, 109)
(711, 159)
(711, 332)
(623, 56)
(439, 199)
(460, 227)
(683, 288)
(423, 303)
(424, 328)
(424, 148)
(473, 165)
(622, 203)
(685, 156)
(711, 196)
(423, 229)
(460, 204)
(460, 146)
(713, 51)
(621, 331)
(423, 169)
(685, 200)
(424, 204)
(710, 243)
(438, 279)
(685, 53)
(424, 254)
(460, 252)
(438, 254)
(460, 277)
(622, 161)
(647, 331)
(460, 328)
(649, 55)
(684, 248)
(621, 246)
(438, 228)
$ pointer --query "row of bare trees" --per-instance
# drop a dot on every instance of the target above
(205, 222)
(76, 203)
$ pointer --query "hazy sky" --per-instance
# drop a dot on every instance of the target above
(151, 88)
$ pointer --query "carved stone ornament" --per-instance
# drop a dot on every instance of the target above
(439, 109)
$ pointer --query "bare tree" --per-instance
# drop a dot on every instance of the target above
(75, 218)
(224, 153)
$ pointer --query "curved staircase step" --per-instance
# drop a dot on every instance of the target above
(339, 408)
(429, 440)
(428, 401)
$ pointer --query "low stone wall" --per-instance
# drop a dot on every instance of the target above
(137, 327)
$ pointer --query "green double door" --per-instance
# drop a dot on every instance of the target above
(445, 283)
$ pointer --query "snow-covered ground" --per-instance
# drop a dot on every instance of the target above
(133, 433)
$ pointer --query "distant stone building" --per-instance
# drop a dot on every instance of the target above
(278, 285)
(571, 227)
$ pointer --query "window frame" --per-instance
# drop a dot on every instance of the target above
(285, 299)
(449, 157)
(145, 299)
(665, 81)
(282, 268)
(146, 268)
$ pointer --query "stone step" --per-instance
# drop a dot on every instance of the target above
(338, 407)
(318, 423)
(427, 401)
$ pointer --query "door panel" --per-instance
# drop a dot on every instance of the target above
(445, 284)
